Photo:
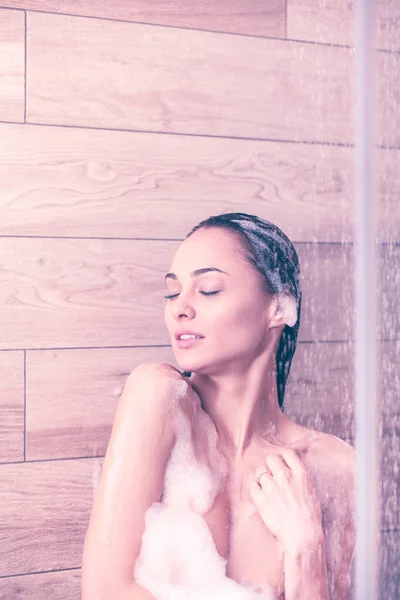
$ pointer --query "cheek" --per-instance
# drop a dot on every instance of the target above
(238, 326)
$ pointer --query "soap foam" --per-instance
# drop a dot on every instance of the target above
(178, 558)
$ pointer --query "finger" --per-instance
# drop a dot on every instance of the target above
(292, 460)
(265, 481)
(277, 465)
(257, 493)
(263, 469)
(275, 462)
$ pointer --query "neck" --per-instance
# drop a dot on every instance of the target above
(243, 406)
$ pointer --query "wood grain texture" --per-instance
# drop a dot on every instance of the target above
(114, 75)
(320, 389)
(387, 82)
(60, 182)
(333, 22)
(320, 395)
(389, 588)
(46, 506)
(93, 293)
(236, 16)
(66, 584)
(73, 395)
(11, 406)
(12, 65)
(58, 585)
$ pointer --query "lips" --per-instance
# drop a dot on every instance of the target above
(179, 333)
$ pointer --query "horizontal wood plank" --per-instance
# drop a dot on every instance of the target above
(252, 18)
(11, 406)
(58, 585)
(142, 77)
(12, 65)
(60, 182)
(205, 83)
(386, 69)
(46, 506)
(321, 387)
(73, 396)
(334, 22)
(65, 585)
(65, 293)
(389, 580)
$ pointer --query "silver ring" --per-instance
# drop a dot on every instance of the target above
(263, 473)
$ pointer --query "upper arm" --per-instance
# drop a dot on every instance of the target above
(131, 481)
(340, 533)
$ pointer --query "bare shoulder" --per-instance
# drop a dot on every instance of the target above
(333, 454)
(332, 464)
(336, 490)
(324, 450)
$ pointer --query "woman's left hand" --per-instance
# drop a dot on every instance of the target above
(286, 498)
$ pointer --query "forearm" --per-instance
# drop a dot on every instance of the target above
(306, 576)
(116, 525)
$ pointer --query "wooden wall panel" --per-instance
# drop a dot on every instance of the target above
(48, 520)
(320, 395)
(56, 585)
(12, 65)
(320, 390)
(66, 584)
(11, 406)
(203, 83)
(236, 16)
(73, 395)
(61, 181)
(389, 587)
(51, 517)
(46, 506)
(333, 22)
(66, 301)
(387, 69)
(91, 293)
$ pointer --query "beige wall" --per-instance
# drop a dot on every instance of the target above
(122, 125)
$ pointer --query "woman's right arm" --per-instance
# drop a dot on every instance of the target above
(132, 478)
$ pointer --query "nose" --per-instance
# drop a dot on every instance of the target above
(183, 312)
(182, 307)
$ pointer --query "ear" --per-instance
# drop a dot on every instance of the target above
(285, 311)
(278, 320)
(277, 315)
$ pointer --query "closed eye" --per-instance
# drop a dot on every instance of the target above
(204, 293)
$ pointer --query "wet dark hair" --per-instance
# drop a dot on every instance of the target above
(271, 252)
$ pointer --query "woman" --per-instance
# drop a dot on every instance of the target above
(278, 510)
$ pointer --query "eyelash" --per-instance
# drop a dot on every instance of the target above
(205, 294)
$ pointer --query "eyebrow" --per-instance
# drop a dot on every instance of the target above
(197, 272)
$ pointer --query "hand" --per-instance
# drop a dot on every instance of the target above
(286, 498)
